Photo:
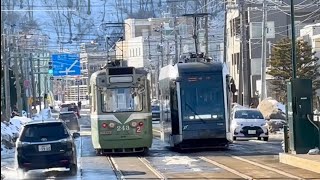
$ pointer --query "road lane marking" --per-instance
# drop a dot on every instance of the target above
(266, 167)
(152, 169)
(226, 168)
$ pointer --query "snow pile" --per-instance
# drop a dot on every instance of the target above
(10, 131)
(274, 112)
(44, 114)
(272, 109)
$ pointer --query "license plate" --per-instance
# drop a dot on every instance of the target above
(46, 147)
(106, 132)
(251, 131)
(67, 120)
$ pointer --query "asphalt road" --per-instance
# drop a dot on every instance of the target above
(246, 159)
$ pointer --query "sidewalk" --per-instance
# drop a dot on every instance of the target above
(303, 161)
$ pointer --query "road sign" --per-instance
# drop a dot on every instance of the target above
(66, 64)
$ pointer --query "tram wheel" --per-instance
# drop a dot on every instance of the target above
(145, 152)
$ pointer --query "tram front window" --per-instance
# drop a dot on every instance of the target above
(121, 100)
(203, 98)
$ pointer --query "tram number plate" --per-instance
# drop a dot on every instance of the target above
(138, 130)
(106, 132)
(123, 128)
(251, 131)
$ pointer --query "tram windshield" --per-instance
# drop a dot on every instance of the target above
(203, 98)
(122, 100)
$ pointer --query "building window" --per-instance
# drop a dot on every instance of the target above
(256, 30)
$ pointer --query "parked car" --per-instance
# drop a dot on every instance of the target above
(71, 120)
(248, 123)
(46, 144)
(155, 112)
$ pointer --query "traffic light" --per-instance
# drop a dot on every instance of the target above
(50, 70)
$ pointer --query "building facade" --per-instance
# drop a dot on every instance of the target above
(278, 27)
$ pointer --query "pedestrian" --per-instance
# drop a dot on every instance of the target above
(79, 105)
(252, 105)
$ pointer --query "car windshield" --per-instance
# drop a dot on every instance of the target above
(67, 116)
(155, 108)
(121, 100)
(49, 131)
(202, 97)
(248, 114)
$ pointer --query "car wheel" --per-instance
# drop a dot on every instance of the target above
(73, 169)
(266, 138)
(259, 138)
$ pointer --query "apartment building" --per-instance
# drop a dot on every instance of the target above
(278, 27)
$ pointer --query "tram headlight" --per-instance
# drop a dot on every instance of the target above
(112, 125)
(141, 123)
(134, 124)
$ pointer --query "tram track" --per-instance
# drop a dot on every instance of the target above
(228, 164)
(128, 168)
(115, 168)
(151, 168)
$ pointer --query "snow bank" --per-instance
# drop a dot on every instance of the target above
(272, 109)
(44, 114)
(9, 132)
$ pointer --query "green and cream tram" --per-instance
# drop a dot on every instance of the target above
(121, 119)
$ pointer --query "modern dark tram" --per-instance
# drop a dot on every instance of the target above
(195, 105)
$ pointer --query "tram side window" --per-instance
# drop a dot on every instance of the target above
(121, 100)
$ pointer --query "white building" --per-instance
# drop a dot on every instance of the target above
(311, 34)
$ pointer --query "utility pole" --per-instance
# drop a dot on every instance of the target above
(161, 41)
(175, 34)
(39, 79)
(244, 54)
(18, 85)
(23, 94)
(32, 82)
(152, 74)
(180, 44)
(264, 53)
(195, 36)
(225, 33)
(206, 37)
(6, 80)
(293, 43)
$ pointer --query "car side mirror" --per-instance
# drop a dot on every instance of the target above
(75, 135)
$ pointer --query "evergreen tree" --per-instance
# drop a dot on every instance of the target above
(281, 66)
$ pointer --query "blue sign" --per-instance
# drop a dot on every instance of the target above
(66, 64)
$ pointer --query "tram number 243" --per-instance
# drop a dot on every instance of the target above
(127, 128)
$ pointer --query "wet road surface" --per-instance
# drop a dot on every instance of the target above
(246, 159)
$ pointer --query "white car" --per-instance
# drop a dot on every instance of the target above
(249, 123)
